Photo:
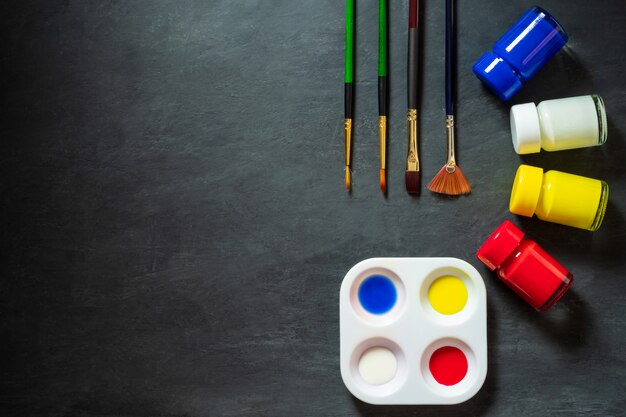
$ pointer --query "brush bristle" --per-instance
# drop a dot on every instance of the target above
(450, 183)
(348, 179)
(383, 181)
(412, 182)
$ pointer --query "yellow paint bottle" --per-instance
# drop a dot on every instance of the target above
(558, 197)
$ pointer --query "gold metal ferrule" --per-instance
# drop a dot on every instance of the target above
(412, 159)
(451, 165)
(382, 140)
(347, 127)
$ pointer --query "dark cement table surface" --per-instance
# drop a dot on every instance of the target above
(174, 224)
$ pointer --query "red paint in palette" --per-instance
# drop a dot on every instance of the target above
(448, 365)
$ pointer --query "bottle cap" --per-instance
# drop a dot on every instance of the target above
(497, 75)
(500, 245)
(525, 128)
(526, 190)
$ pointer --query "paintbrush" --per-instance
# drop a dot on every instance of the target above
(348, 90)
(412, 173)
(450, 179)
(382, 91)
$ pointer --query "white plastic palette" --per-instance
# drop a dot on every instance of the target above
(398, 356)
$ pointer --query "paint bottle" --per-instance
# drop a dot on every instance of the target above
(525, 267)
(520, 52)
(556, 125)
(559, 197)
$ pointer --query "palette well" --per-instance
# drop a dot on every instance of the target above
(413, 331)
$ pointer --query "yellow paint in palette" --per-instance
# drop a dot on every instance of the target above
(447, 295)
(559, 197)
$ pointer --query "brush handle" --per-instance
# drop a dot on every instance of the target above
(382, 57)
(450, 57)
(349, 68)
(349, 41)
(413, 53)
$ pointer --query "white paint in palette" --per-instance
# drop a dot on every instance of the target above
(378, 365)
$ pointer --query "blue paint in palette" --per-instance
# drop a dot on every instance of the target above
(377, 294)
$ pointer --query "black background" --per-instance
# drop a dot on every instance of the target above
(175, 227)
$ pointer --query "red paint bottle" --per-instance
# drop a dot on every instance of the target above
(525, 267)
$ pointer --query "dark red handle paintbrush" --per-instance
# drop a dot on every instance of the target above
(412, 174)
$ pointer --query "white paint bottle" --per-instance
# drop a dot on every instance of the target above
(556, 125)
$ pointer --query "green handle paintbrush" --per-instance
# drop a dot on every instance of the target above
(382, 91)
(348, 90)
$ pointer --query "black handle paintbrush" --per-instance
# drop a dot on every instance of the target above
(450, 179)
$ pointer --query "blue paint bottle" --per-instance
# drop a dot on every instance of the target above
(520, 53)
